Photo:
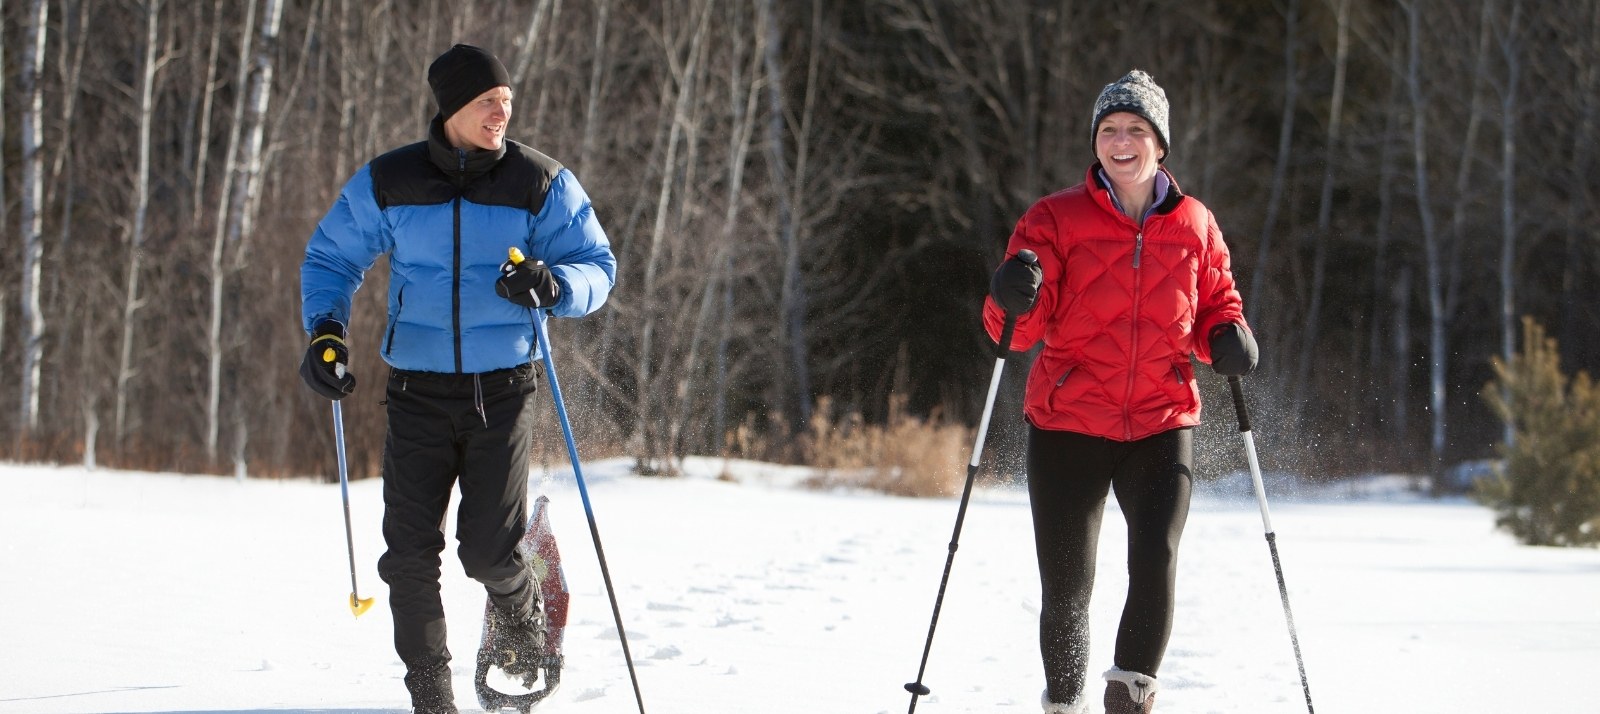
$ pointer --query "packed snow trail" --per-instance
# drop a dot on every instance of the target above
(133, 592)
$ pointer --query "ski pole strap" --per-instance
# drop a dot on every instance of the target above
(1238, 404)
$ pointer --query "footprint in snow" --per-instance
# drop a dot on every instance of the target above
(665, 607)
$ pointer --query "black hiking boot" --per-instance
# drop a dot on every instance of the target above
(430, 689)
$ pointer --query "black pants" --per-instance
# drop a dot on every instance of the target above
(1069, 476)
(444, 428)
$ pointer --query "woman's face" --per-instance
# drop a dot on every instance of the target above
(1128, 148)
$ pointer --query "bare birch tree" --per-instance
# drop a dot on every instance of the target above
(682, 73)
(1510, 101)
(1432, 255)
(32, 230)
(1280, 167)
(132, 300)
(207, 94)
(792, 296)
(1324, 230)
(228, 226)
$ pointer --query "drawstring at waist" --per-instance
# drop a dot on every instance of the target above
(477, 399)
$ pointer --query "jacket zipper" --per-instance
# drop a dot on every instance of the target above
(400, 307)
(1177, 371)
(455, 285)
(1133, 338)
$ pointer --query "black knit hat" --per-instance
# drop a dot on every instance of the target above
(461, 74)
(1136, 92)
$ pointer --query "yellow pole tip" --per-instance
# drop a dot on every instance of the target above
(516, 255)
(359, 606)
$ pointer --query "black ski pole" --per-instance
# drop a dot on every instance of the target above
(1266, 523)
(583, 490)
(1002, 350)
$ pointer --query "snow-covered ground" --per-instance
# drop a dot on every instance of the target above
(136, 592)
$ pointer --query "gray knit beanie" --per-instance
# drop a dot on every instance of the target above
(1136, 92)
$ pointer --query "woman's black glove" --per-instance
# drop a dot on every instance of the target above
(1015, 285)
(324, 368)
(1233, 350)
(528, 283)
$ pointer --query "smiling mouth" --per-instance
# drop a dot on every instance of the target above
(1122, 157)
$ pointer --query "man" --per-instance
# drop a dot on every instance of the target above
(460, 344)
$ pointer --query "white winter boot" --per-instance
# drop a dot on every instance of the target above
(1077, 706)
(1129, 692)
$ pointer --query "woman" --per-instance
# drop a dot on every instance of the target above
(1132, 277)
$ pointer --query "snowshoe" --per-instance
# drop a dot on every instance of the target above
(506, 645)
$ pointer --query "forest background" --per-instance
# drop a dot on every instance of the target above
(806, 200)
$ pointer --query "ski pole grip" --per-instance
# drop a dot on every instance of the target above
(1003, 348)
(1234, 386)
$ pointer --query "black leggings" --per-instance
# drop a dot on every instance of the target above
(1069, 476)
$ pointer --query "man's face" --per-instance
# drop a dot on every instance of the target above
(481, 124)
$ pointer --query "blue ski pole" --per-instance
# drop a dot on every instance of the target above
(583, 489)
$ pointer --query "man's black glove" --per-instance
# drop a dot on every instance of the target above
(528, 283)
(1015, 285)
(1233, 350)
(325, 367)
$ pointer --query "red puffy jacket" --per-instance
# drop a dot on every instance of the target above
(1120, 311)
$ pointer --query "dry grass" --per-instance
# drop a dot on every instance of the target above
(906, 456)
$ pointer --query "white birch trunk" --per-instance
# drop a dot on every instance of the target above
(1508, 206)
(214, 344)
(742, 104)
(208, 94)
(642, 439)
(1280, 169)
(32, 230)
(132, 301)
(1437, 347)
(241, 216)
(530, 40)
(591, 108)
(792, 298)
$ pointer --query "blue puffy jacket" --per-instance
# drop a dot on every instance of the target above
(446, 217)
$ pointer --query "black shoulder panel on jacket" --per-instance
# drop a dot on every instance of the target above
(520, 179)
(405, 177)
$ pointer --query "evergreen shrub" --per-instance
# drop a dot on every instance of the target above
(1547, 489)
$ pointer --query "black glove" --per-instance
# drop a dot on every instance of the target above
(1015, 285)
(324, 368)
(1233, 350)
(528, 283)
